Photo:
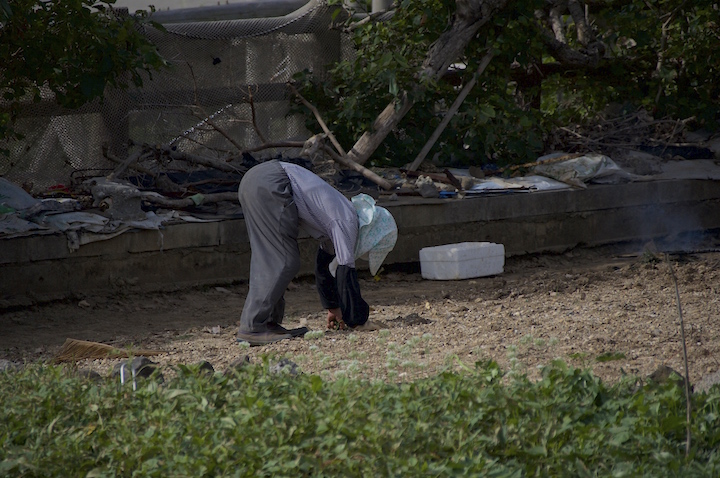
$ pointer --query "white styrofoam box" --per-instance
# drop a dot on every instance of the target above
(463, 260)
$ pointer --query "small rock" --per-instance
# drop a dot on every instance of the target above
(664, 373)
(707, 382)
(240, 363)
(285, 366)
(88, 374)
(206, 367)
(8, 366)
(428, 190)
(467, 182)
(84, 304)
(409, 320)
(476, 172)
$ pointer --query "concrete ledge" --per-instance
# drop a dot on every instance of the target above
(41, 267)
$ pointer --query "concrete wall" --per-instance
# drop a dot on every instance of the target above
(41, 267)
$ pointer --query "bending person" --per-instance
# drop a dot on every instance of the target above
(279, 198)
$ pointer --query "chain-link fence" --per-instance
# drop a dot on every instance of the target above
(225, 90)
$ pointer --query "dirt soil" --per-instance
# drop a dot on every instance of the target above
(615, 313)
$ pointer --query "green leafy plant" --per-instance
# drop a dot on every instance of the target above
(659, 56)
(610, 356)
(249, 422)
(68, 51)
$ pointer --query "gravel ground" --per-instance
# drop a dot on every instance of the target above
(615, 313)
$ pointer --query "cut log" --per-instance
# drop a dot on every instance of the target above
(471, 15)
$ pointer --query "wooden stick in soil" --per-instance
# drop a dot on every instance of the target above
(685, 358)
(450, 113)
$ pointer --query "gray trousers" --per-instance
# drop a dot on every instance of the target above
(272, 223)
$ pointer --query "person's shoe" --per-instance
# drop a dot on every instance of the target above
(298, 332)
(262, 338)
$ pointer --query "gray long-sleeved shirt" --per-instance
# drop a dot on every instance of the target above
(324, 212)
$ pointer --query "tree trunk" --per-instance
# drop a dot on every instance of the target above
(470, 16)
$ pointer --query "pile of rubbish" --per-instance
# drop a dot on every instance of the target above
(101, 207)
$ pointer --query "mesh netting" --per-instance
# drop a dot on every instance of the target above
(200, 106)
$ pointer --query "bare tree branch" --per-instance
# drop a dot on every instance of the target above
(471, 15)
(254, 116)
(319, 119)
(201, 160)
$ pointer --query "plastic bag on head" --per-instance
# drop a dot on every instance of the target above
(377, 231)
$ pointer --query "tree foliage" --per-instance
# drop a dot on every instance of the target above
(554, 62)
(69, 50)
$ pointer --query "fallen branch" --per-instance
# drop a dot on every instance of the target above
(221, 131)
(279, 144)
(141, 169)
(349, 164)
(125, 164)
(341, 158)
(202, 160)
(195, 200)
(319, 119)
(559, 159)
(469, 18)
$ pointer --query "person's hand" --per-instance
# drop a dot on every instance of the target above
(334, 319)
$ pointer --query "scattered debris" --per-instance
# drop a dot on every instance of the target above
(9, 366)
(73, 350)
(137, 367)
(409, 320)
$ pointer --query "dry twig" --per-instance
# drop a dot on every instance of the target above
(688, 405)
